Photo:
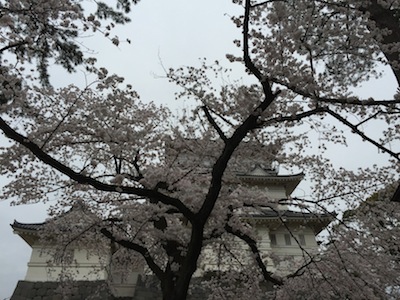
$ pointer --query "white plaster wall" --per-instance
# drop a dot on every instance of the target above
(282, 248)
(276, 192)
(42, 267)
(123, 285)
(280, 257)
(288, 258)
(213, 260)
(85, 266)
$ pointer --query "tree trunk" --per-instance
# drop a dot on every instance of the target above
(172, 291)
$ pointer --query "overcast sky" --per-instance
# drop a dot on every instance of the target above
(178, 33)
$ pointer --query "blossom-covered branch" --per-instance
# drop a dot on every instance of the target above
(138, 248)
(83, 179)
(254, 249)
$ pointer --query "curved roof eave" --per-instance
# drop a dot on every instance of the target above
(291, 177)
(32, 227)
(27, 231)
(317, 221)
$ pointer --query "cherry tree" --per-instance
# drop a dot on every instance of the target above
(163, 186)
(361, 258)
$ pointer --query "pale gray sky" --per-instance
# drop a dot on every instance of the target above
(178, 32)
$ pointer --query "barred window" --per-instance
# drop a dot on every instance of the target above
(302, 240)
(288, 241)
(272, 238)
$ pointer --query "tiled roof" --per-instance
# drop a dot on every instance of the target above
(26, 226)
(315, 220)
(272, 214)
(271, 176)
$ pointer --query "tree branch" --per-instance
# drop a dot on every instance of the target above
(138, 248)
(353, 127)
(369, 118)
(246, 57)
(9, 46)
(293, 118)
(355, 101)
(251, 122)
(300, 271)
(269, 95)
(341, 101)
(361, 134)
(266, 2)
(214, 124)
(137, 167)
(254, 249)
(153, 195)
(221, 117)
(396, 195)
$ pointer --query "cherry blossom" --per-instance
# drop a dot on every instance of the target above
(162, 187)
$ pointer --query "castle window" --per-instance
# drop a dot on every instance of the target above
(302, 240)
(272, 238)
(288, 241)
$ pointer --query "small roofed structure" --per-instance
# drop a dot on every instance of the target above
(271, 218)
(280, 186)
(285, 235)
(27, 231)
(89, 273)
